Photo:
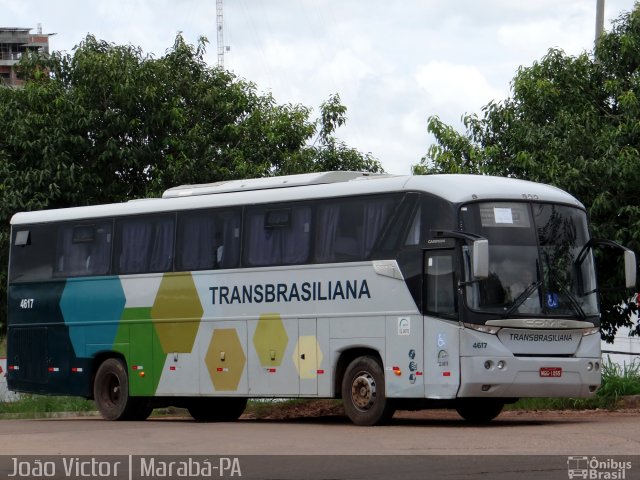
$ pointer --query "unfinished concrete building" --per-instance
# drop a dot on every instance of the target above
(14, 42)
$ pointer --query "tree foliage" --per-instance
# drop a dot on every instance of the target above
(107, 123)
(573, 122)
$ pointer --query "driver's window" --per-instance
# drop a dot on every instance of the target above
(440, 284)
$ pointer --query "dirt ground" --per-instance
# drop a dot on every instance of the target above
(333, 408)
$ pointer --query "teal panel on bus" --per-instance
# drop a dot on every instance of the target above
(92, 308)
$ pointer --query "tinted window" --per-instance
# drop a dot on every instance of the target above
(347, 230)
(145, 244)
(32, 253)
(277, 235)
(207, 240)
(83, 249)
(439, 284)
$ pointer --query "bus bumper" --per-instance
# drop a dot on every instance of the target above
(520, 377)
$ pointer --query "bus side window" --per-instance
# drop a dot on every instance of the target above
(413, 237)
(349, 229)
(196, 242)
(277, 235)
(83, 249)
(439, 284)
(208, 240)
(145, 244)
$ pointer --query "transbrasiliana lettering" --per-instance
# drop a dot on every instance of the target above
(290, 292)
(542, 337)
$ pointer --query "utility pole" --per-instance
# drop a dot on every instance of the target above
(599, 19)
(220, 37)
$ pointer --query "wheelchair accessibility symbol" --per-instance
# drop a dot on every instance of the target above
(552, 300)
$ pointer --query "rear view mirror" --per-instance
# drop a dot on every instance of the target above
(629, 268)
(481, 258)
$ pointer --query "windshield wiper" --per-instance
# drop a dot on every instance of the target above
(574, 303)
(520, 299)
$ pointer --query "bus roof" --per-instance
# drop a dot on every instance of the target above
(454, 188)
(265, 183)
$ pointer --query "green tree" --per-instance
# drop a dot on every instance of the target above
(326, 152)
(108, 123)
(573, 122)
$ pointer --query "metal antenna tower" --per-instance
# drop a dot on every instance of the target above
(220, 37)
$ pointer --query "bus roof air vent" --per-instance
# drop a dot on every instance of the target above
(269, 182)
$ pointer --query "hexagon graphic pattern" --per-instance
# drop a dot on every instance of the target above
(176, 312)
(309, 347)
(97, 304)
(270, 340)
(225, 359)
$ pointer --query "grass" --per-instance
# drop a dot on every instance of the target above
(617, 382)
(3, 346)
(34, 406)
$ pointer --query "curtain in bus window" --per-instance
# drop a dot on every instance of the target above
(146, 245)
(376, 213)
(162, 251)
(326, 227)
(349, 231)
(228, 253)
(100, 260)
(83, 249)
(198, 246)
(262, 248)
(295, 242)
(287, 244)
(135, 241)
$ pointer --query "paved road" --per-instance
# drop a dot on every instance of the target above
(523, 436)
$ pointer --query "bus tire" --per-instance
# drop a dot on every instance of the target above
(217, 409)
(479, 410)
(363, 393)
(111, 393)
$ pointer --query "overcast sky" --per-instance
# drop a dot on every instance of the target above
(394, 63)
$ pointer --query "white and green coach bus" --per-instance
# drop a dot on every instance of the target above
(390, 292)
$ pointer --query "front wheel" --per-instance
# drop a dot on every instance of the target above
(111, 393)
(479, 410)
(363, 393)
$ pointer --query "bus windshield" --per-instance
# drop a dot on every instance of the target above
(533, 271)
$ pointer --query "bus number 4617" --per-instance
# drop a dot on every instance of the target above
(26, 303)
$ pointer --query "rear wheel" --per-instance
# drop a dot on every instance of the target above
(363, 393)
(479, 410)
(217, 409)
(111, 393)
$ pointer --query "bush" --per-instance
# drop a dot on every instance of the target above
(617, 382)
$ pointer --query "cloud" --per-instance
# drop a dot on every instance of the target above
(461, 88)
(393, 63)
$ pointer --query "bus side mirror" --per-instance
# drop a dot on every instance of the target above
(629, 268)
(481, 259)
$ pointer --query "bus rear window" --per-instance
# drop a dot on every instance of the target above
(32, 253)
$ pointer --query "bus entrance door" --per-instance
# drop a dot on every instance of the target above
(441, 327)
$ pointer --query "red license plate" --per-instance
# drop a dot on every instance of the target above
(549, 372)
